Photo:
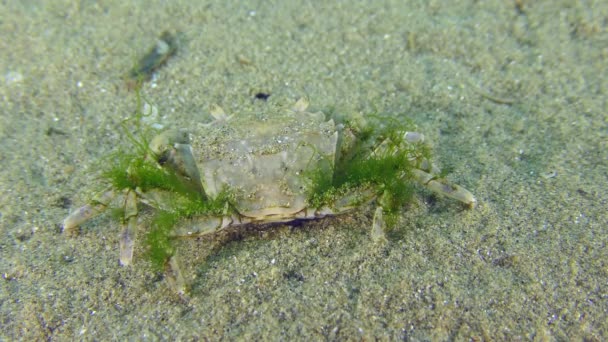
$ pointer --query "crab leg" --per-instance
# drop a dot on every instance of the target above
(427, 176)
(127, 236)
(378, 226)
(175, 277)
(88, 211)
(441, 186)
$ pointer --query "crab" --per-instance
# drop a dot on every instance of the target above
(261, 169)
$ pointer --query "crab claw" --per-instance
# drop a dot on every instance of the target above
(172, 149)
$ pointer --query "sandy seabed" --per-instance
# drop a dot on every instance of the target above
(512, 95)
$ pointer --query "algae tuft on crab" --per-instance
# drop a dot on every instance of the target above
(140, 171)
(375, 157)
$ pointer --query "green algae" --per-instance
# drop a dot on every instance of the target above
(159, 238)
(139, 171)
(374, 156)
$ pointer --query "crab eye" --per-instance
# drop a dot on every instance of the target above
(163, 158)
